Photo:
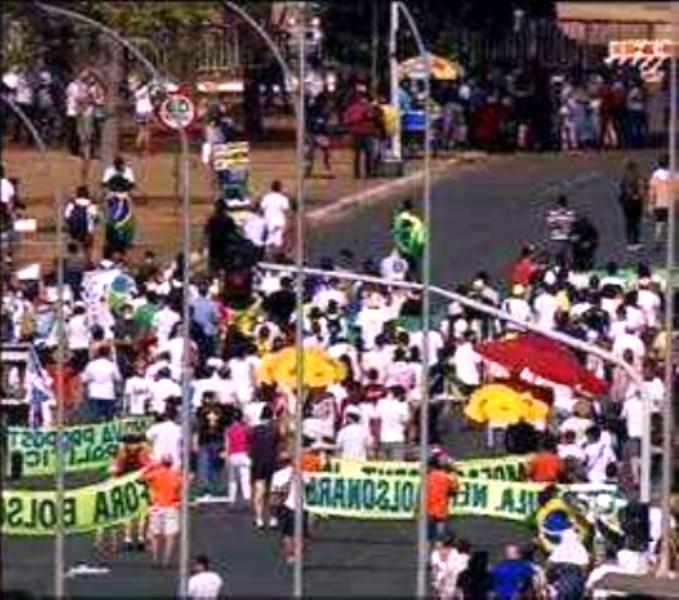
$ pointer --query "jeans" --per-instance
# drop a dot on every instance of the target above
(363, 152)
(104, 409)
(239, 471)
(209, 466)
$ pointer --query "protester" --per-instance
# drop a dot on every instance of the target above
(441, 487)
(165, 487)
(204, 584)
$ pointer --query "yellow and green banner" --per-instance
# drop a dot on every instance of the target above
(86, 447)
(504, 468)
(86, 509)
(363, 496)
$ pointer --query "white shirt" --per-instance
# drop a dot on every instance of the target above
(166, 440)
(649, 303)
(467, 363)
(223, 389)
(204, 586)
(137, 395)
(632, 412)
(161, 390)
(101, 375)
(518, 308)
(75, 92)
(353, 442)
(371, 321)
(78, 333)
(597, 457)
(570, 451)
(545, 306)
(393, 268)
(143, 106)
(393, 416)
(163, 322)
(629, 341)
(254, 229)
(282, 479)
(243, 376)
(7, 191)
(127, 173)
(274, 206)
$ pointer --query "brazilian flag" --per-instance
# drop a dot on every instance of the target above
(408, 234)
(120, 224)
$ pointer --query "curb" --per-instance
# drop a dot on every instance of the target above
(390, 188)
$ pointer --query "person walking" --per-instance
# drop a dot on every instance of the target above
(165, 487)
(441, 487)
(81, 217)
(237, 454)
(360, 123)
(631, 198)
(101, 378)
(660, 193)
(560, 221)
(264, 443)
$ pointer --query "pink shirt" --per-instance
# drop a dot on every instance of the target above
(238, 439)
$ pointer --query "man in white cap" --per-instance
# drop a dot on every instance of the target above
(354, 441)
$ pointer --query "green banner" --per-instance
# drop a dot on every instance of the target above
(392, 497)
(505, 468)
(86, 447)
(86, 509)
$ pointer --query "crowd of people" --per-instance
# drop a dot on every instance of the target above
(127, 358)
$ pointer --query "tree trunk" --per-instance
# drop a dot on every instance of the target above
(113, 73)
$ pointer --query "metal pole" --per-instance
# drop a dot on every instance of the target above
(422, 537)
(393, 74)
(186, 225)
(668, 409)
(298, 583)
(375, 44)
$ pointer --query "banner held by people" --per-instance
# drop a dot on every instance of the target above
(85, 509)
(86, 447)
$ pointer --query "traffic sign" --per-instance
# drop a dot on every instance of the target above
(177, 111)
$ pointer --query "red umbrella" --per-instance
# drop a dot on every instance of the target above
(544, 358)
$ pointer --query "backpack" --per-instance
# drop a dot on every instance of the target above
(77, 222)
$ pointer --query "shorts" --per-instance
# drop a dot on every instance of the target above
(164, 521)
(262, 472)
(437, 529)
(286, 522)
(660, 215)
(275, 236)
(632, 448)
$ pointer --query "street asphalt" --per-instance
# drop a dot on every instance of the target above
(482, 213)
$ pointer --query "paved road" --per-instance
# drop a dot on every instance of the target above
(481, 215)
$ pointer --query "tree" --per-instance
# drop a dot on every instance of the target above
(70, 46)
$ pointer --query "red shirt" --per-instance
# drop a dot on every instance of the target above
(440, 487)
(546, 467)
(522, 271)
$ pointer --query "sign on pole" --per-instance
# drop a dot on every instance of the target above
(231, 155)
(177, 111)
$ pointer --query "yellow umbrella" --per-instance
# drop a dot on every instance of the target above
(501, 405)
(441, 68)
(320, 370)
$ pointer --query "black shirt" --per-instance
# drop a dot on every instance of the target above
(264, 445)
(211, 424)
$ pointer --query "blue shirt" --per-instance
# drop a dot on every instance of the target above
(511, 578)
(206, 315)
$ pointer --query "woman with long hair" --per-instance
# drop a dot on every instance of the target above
(631, 197)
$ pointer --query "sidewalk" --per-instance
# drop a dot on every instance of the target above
(157, 183)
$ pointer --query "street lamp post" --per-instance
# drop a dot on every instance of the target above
(298, 108)
(186, 249)
(668, 408)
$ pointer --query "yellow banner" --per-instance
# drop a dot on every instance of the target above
(363, 496)
(504, 468)
(86, 509)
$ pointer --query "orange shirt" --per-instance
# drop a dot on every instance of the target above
(311, 462)
(546, 467)
(440, 487)
(165, 486)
